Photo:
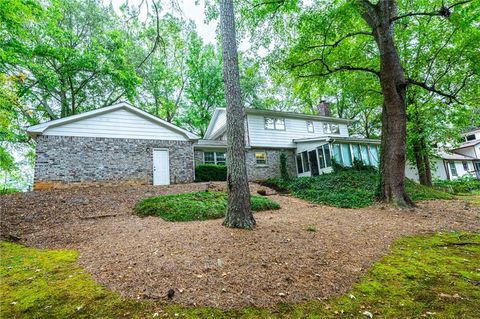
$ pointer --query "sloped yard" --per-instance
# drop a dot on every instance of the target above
(300, 252)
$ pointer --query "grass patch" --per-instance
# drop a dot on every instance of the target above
(348, 188)
(434, 275)
(195, 206)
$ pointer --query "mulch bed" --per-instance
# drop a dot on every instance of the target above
(210, 265)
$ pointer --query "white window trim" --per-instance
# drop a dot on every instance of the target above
(266, 158)
(215, 162)
(274, 124)
(313, 127)
(330, 128)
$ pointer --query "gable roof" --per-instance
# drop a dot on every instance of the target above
(38, 129)
(467, 144)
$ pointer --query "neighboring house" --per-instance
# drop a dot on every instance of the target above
(115, 144)
(309, 142)
(463, 160)
(123, 144)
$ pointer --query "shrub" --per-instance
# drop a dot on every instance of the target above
(195, 206)
(283, 166)
(349, 188)
(464, 184)
(210, 173)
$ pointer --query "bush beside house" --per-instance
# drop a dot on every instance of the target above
(210, 173)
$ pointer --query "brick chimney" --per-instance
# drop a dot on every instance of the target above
(324, 108)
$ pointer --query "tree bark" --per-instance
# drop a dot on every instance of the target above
(394, 117)
(238, 214)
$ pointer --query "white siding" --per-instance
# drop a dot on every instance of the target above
(294, 129)
(116, 124)
(221, 121)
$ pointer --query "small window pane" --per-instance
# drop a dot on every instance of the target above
(330, 128)
(321, 157)
(470, 137)
(299, 164)
(337, 155)
(279, 124)
(208, 158)
(347, 157)
(261, 158)
(374, 155)
(269, 123)
(310, 127)
(356, 152)
(326, 151)
(306, 166)
(365, 157)
(221, 158)
(465, 166)
(453, 169)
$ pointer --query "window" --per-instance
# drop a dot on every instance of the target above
(365, 157)
(274, 124)
(346, 155)
(321, 157)
(306, 166)
(329, 128)
(356, 152)
(261, 158)
(324, 156)
(328, 160)
(299, 164)
(374, 154)
(218, 158)
(337, 154)
(465, 166)
(453, 169)
(209, 158)
(310, 127)
(470, 137)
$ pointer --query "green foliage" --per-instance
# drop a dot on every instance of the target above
(195, 206)
(210, 173)
(460, 185)
(283, 166)
(349, 188)
(422, 275)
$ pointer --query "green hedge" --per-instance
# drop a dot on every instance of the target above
(210, 172)
(460, 185)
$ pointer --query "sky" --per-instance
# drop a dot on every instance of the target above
(190, 10)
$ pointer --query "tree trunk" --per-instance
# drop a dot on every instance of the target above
(239, 214)
(419, 161)
(394, 115)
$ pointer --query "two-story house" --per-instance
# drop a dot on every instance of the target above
(310, 142)
(454, 162)
(121, 144)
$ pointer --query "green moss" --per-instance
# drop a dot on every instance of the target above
(195, 206)
(425, 276)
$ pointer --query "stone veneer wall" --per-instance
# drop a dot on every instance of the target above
(262, 172)
(272, 168)
(63, 161)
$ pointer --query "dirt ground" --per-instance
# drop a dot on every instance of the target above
(208, 264)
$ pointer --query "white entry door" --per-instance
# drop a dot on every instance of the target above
(161, 167)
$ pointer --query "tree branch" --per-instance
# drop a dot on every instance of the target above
(336, 43)
(443, 12)
(432, 88)
(342, 68)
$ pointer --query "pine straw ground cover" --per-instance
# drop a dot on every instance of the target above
(425, 276)
(298, 253)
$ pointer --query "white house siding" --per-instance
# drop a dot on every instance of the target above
(220, 122)
(294, 129)
(470, 151)
(120, 123)
(438, 170)
(460, 170)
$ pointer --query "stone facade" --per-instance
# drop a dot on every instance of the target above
(261, 172)
(63, 161)
(272, 168)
